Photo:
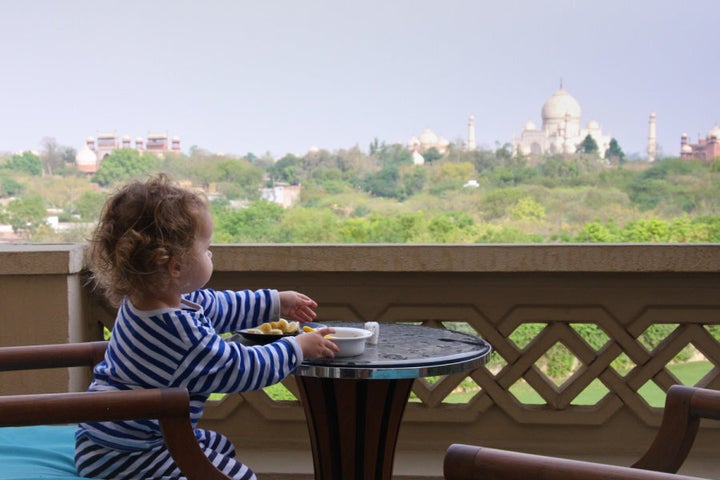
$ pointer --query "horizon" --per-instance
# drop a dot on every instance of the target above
(283, 77)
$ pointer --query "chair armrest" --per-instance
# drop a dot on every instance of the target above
(32, 357)
(171, 406)
(684, 407)
(467, 462)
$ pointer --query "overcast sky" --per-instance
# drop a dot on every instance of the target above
(281, 76)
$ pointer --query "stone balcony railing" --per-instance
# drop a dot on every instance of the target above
(620, 289)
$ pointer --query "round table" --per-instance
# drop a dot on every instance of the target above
(354, 405)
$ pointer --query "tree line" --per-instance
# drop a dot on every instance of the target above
(381, 195)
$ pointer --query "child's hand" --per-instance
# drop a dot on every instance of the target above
(296, 306)
(315, 345)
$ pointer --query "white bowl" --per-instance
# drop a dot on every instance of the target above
(351, 341)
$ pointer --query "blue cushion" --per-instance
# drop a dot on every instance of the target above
(42, 452)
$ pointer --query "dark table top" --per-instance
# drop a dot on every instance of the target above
(403, 351)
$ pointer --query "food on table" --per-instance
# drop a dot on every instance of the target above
(281, 327)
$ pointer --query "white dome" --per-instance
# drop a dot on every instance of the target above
(714, 132)
(428, 137)
(529, 126)
(593, 125)
(85, 156)
(559, 105)
(686, 148)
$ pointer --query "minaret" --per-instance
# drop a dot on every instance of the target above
(471, 133)
(652, 140)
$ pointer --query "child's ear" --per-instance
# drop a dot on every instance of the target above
(174, 267)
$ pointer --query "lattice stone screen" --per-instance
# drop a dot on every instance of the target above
(590, 305)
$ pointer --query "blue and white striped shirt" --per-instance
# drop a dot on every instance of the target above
(181, 348)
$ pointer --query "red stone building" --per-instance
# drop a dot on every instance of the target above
(706, 149)
(94, 151)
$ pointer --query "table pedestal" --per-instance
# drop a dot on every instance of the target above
(353, 425)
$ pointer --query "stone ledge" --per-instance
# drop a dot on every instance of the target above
(41, 258)
(454, 258)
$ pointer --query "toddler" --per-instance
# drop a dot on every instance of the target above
(149, 254)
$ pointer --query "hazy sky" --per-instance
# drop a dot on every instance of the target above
(281, 76)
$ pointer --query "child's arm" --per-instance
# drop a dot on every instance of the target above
(230, 310)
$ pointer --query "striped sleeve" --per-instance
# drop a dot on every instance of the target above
(212, 365)
(229, 310)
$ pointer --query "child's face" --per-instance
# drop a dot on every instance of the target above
(199, 266)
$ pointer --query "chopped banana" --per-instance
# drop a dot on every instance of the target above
(281, 327)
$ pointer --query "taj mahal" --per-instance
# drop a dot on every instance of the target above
(561, 131)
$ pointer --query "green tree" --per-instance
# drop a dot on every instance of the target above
(527, 208)
(411, 181)
(588, 145)
(432, 154)
(647, 230)
(614, 153)
(89, 204)
(560, 171)
(309, 225)
(395, 154)
(124, 164)
(260, 222)
(383, 183)
(456, 227)
(329, 180)
(9, 187)
(667, 181)
(27, 214)
(286, 170)
(596, 232)
(26, 162)
(237, 178)
(402, 228)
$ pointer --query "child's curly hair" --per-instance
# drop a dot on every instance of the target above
(142, 226)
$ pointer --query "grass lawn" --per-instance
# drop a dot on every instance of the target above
(687, 373)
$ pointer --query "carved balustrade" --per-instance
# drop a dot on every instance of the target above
(617, 293)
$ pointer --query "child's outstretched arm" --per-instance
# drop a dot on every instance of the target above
(296, 306)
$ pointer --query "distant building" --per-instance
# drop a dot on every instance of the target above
(652, 139)
(94, 151)
(427, 140)
(282, 194)
(470, 146)
(706, 149)
(560, 132)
